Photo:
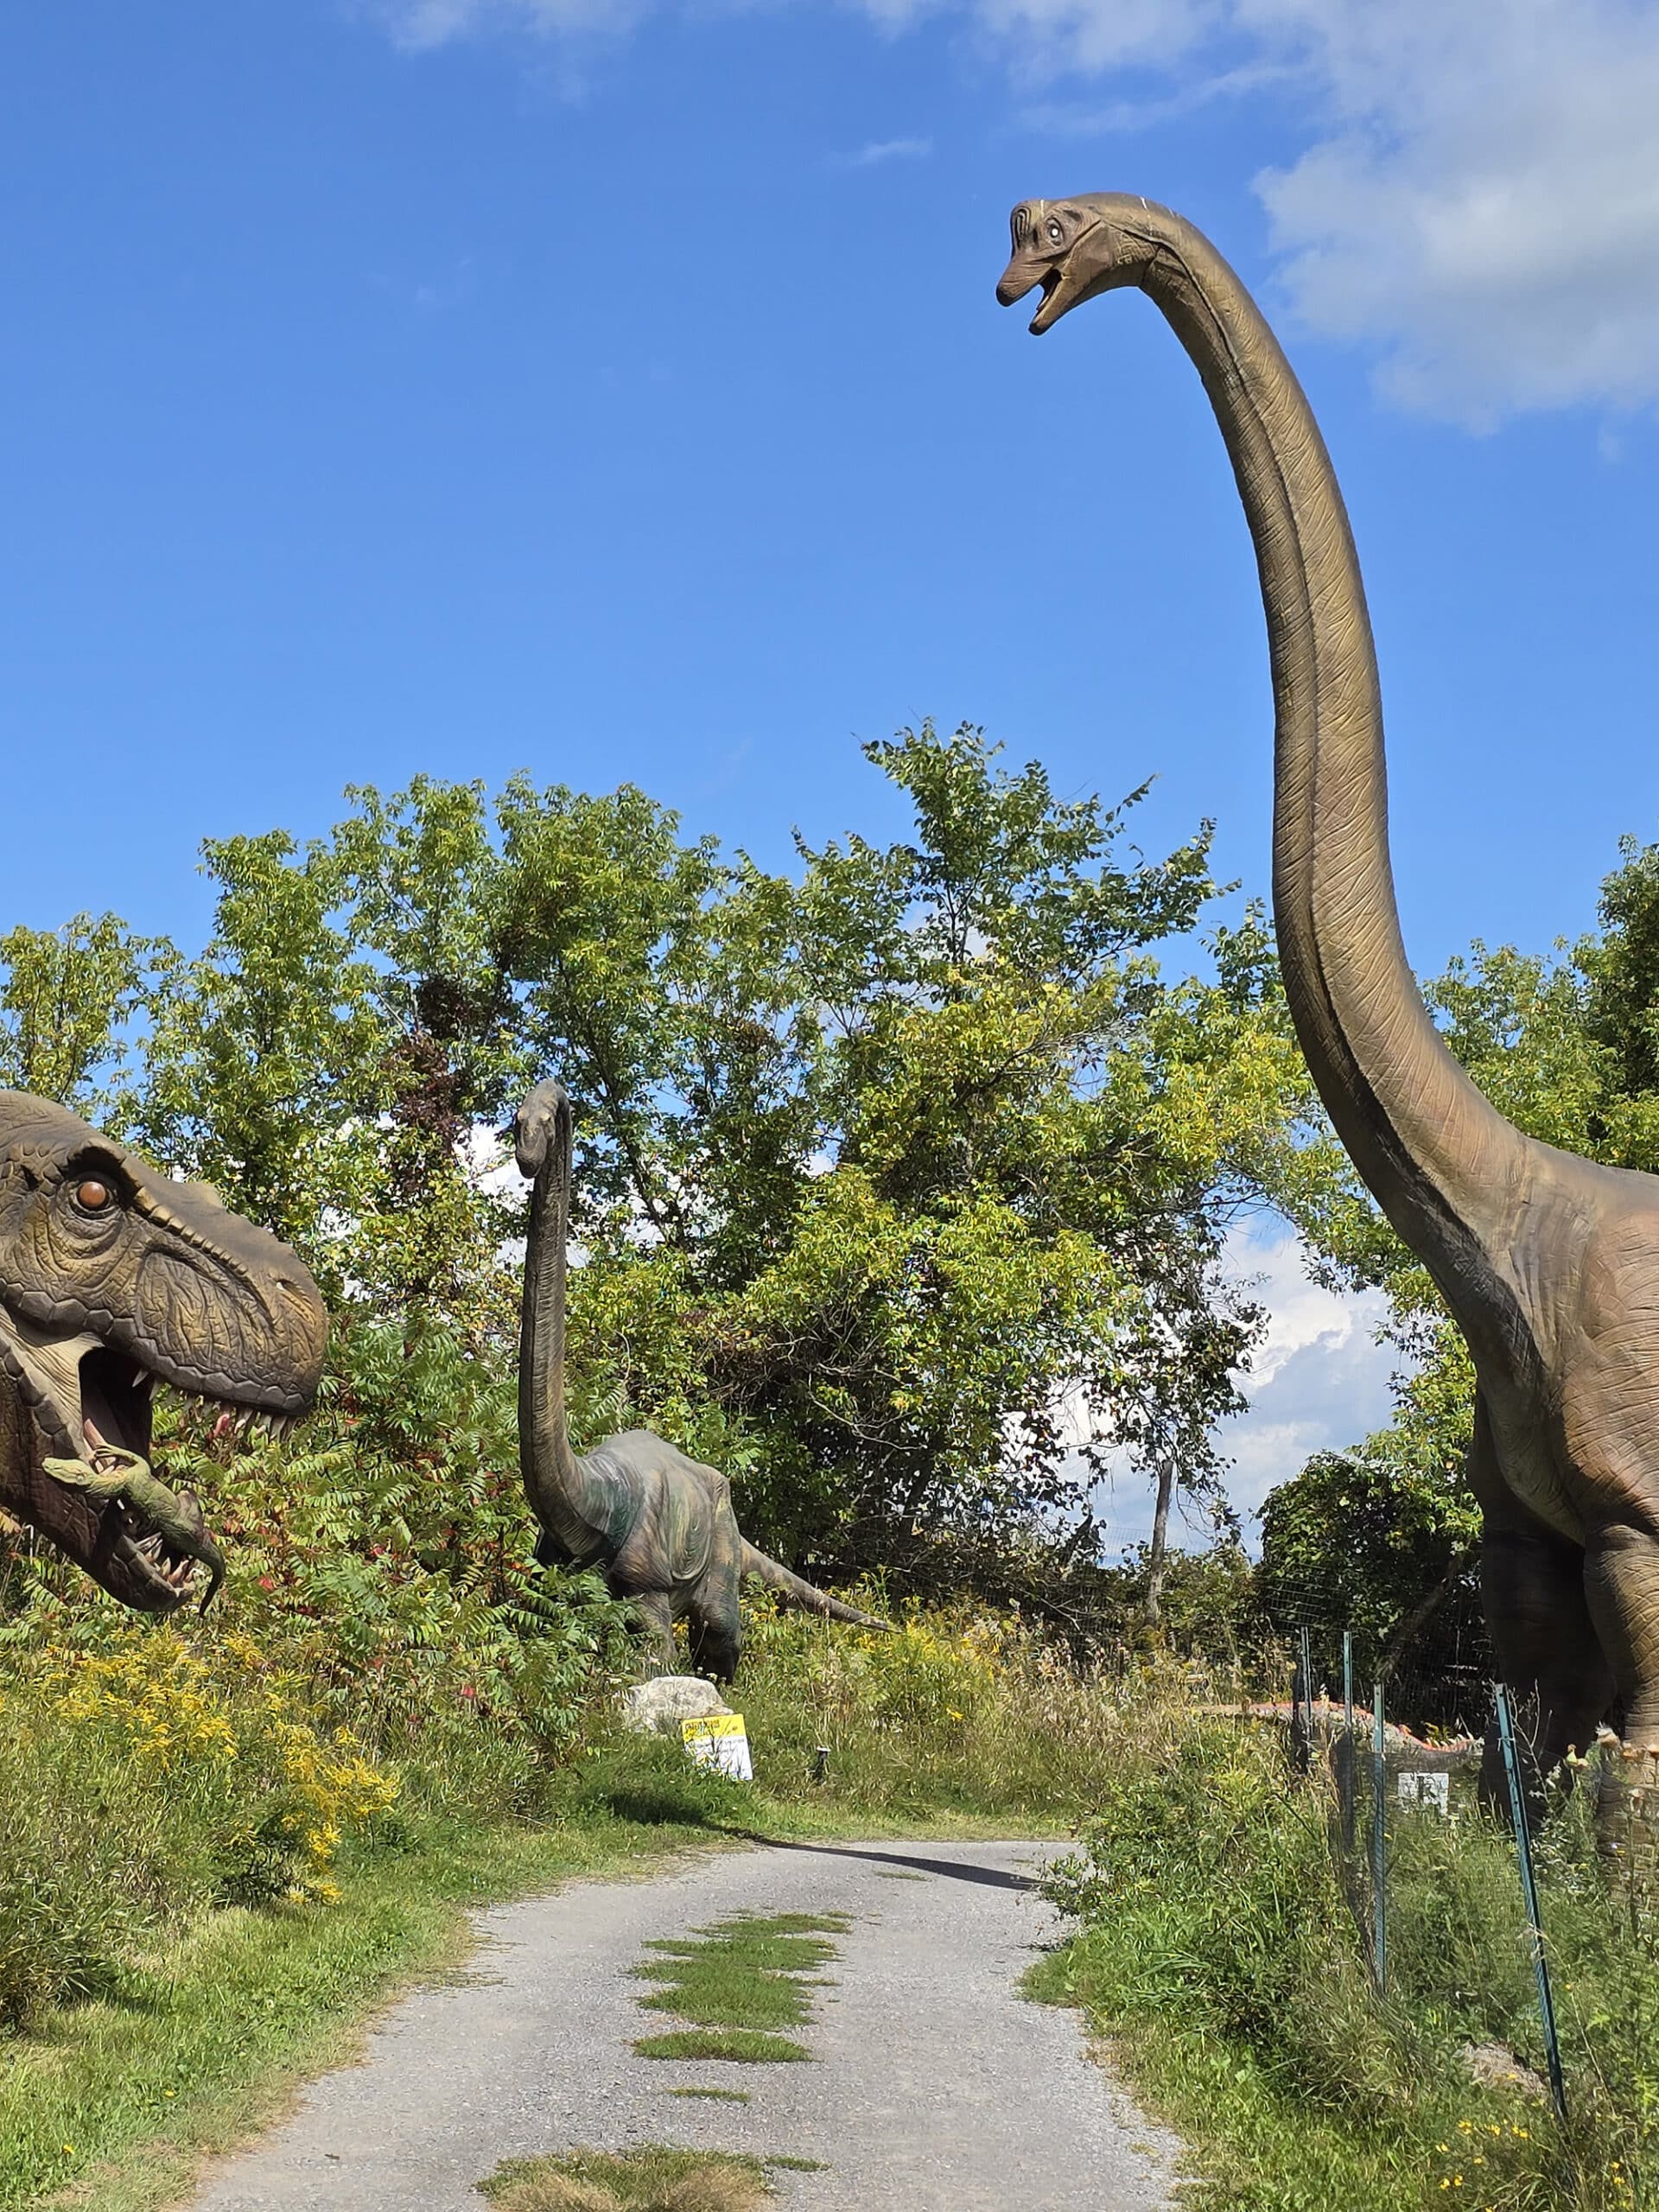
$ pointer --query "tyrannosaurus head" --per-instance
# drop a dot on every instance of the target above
(1076, 248)
(113, 1279)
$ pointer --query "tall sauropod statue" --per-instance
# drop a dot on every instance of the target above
(1549, 1262)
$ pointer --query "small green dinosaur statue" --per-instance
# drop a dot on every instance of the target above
(174, 1518)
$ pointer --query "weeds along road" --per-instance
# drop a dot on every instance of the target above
(933, 2085)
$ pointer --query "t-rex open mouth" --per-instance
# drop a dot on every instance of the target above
(115, 1279)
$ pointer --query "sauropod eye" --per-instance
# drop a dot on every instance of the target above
(94, 1196)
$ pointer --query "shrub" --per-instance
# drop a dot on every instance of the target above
(140, 1781)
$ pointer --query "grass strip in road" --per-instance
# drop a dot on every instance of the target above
(714, 2096)
(653, 2179)
(746, 2046)
(749, 1971)
(738, 1982)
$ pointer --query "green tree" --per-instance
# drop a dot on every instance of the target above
(262, 1070)
(943, 1159)
(68, 998)
(902, 1181)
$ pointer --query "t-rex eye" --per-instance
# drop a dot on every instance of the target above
(92, 1196)
(1055, 233)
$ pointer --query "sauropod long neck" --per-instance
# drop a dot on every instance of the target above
(1430, 1148)
(568, 1498)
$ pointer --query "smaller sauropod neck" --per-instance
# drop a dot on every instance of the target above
(568, 1498)
(1433, 1150)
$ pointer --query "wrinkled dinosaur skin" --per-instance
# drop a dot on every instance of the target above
(115, 1280)
(175, 1515)
(1549, 1262)
(658, 1526)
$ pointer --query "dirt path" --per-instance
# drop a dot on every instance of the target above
(938, 2088)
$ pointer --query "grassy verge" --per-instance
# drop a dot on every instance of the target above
(1221, 1961)
(112, 2105)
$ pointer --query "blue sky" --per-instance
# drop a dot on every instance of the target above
(617, 391)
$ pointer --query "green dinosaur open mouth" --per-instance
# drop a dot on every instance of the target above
(117, 1406)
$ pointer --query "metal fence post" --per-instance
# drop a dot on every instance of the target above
(1529, 1892)
(1301, 1704)
(1379, 1843)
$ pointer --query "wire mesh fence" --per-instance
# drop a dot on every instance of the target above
(1514, 1913)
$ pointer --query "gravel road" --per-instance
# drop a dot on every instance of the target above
(936, 2088)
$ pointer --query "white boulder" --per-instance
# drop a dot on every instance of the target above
(657, 1707)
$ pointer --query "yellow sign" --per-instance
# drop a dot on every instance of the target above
(719, 1741)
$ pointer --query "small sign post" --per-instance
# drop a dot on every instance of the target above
(1426, 1786)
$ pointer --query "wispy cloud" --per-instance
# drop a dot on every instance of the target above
(884, 149)
(1122, 117)
(1476, 197)
(1470, 193)
(419, 25)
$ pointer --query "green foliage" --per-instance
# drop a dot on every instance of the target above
(142, 1781)
(67, 1000)
(878, 1170)
(1383, 1544)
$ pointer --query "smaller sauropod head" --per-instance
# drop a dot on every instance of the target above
(1076, 248)
(544, 1116)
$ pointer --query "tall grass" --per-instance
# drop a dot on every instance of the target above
(964, 1711)
(151, 1774)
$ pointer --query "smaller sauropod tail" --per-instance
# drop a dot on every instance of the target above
(811, 1599)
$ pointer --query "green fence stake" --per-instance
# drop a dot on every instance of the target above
(1379, 1843)
(1529, 1892)
(1345, 1772)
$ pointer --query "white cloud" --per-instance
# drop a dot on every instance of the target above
(1318, 1381)
(1477, 194)
(1486, 206)
(418, 24)
(886, 149)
